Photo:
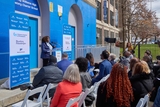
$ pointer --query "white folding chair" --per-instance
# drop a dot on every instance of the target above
(46, 94)
(96, 85)
(74, 100)
(29, 103)
(143, 101)
(82, 100)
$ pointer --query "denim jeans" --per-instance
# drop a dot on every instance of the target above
(157, 99)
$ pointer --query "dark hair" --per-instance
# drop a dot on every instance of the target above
(82, 64)
(64, 54)
(133, 62)
(105, 54)
(158, 57)
(148, 52)
(52, 59)
(89, 55)
(90, 58)
(127, 44)
(45, 39)
(146, 58)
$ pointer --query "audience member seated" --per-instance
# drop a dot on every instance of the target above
(125, 59)
(116, 91)
(157, 100)
(141, 80)
(90, 58)
(156, 86)
(70, 87)
(148, 53)
(148, 61)
(64, 63)
(156, 67)
(112, 58)
(104, 67)
(85, 77)
(48, 74)
(132, 64)
(133, 53)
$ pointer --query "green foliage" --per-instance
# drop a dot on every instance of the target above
(154, 48)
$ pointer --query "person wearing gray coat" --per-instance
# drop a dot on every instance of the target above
(48, 74)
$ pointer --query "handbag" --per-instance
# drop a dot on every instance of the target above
(153, 94)
(89, 99)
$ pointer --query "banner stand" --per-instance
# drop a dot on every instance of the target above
(19, 50)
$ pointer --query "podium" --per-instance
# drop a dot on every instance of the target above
(57, 52)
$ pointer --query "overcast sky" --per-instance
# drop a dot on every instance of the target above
(155, 7)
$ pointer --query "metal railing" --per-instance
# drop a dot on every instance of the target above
(95, 50)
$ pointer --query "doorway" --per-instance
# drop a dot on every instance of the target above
(73, 42)
(33, 30)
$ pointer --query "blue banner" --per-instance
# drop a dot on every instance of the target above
(27, 6)
(19, 70)
(18, 22)
(105, 10)
(19, 50)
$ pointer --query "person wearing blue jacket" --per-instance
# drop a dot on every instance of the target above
(104, 67)
(64, 63)
(46, 50)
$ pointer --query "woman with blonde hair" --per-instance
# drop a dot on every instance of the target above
(70, 87)
(141, 80)
(116, 91)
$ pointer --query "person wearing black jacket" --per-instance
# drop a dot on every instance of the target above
(142, 81)
(48, 74)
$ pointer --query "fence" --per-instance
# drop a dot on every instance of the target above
(95, 50)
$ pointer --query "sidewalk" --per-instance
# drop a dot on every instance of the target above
(8, 97)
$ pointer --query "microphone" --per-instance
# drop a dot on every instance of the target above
(55, 44)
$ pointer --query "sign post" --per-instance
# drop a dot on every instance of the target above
(19, 70)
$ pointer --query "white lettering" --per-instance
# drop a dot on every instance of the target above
(26, 6)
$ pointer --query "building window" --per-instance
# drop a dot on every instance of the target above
(99, 36)
(106, 20)
(112, 2)
(106, 35)
(116, 3)
(111, 18)
(112, 34)
(98, 10)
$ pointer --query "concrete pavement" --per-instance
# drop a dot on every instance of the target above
(8, 97)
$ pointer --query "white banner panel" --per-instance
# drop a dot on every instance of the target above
(19, 42)
(67, 43)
